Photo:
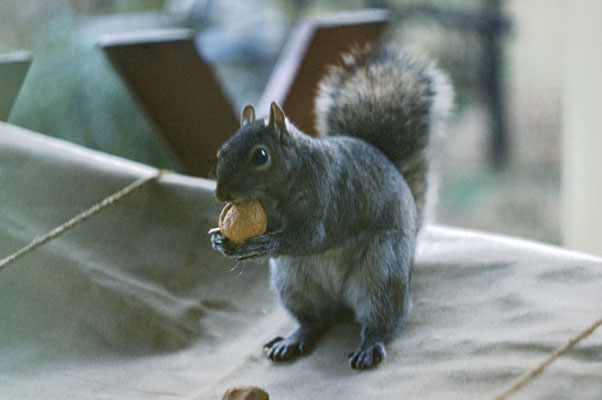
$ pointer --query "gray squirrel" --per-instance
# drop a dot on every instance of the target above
(343, 209)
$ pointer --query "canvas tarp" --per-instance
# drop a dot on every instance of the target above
(134, 304)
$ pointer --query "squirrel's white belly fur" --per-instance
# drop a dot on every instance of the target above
(342, 278)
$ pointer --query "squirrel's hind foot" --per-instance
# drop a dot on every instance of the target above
(298, 343)
(367, 356)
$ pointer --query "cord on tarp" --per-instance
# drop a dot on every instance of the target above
(79, 218)
(534, 372)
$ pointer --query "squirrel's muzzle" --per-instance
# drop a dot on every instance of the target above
(222, 193)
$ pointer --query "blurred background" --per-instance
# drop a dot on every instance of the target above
(72, 92)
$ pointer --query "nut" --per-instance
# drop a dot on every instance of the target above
(239, 222)
(246, 393)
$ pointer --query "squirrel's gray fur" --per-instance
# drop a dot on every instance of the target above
(343, 209)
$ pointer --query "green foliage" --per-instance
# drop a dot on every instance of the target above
(72, 93)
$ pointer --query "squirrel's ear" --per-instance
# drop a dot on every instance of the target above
(247, 115)
(277, 120)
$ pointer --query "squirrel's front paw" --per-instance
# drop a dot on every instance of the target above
(255, 247)
(222, 244)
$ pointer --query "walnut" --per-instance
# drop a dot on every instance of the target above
(246, 393)
(239, 222)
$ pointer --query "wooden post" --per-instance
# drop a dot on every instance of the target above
(582, 127)
(492, 86)
(179, 92)
(13, 69)
(312, 46)
(186, 103)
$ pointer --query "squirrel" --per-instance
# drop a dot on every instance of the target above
(344, 208)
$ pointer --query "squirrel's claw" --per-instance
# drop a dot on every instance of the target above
(281, 349)
(367, 358)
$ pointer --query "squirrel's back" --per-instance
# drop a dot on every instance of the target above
(391, 100)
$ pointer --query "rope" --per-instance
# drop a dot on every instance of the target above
(529, 376)
(78, 219)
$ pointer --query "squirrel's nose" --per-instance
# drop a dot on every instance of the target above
(220, 194)
(223, 194)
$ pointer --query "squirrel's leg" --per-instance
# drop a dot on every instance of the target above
(377, 330)
(306, 302)
(381, 306)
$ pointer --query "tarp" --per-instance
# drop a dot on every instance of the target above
(134, 304)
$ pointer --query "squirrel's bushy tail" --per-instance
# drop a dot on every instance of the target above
(392, 101)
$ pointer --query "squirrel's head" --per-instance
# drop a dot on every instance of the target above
(258, 160)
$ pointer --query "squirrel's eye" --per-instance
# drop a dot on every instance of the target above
(260, 157)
